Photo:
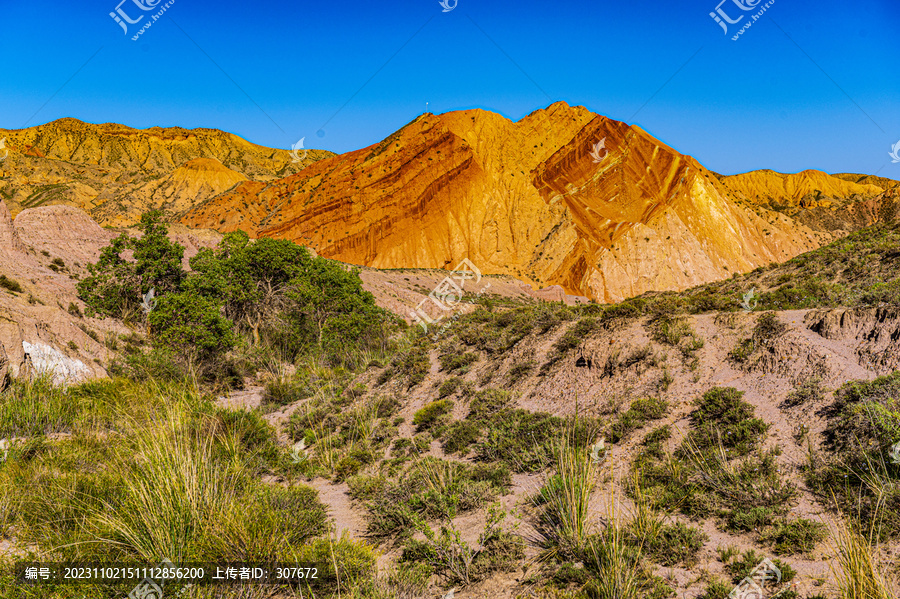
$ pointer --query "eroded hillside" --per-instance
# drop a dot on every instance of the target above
(115, 172)
(562, 197)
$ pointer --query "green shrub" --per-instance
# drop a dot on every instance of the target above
(460, 436)
(569, 341)
(768, 328)
(755, 518)
(717, 589)
(638, 415)
(519, 371)
(385, 407)
(457, 362)
(432, 413)
(750, 559)
(364, 488)
(670, 330)
(10, 284)
(809, 391)
(722, 416)
(345, 560)
(520, 439)
(433, 488)
(116, 285)
(284, 391)
(675, 544)
(488, 402)
(449, 555)
(412, 365)
(795, 536)
(742, 351)
(346, 467)
(191, 325)
(449, 387)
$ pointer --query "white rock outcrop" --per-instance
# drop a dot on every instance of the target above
(44, 359)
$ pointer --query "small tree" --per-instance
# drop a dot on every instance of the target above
(117, 282)
(157, 258)
(113, 287)
(328, 309)
(192, 325)
(250, 278)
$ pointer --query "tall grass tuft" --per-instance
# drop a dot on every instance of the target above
(856, 568)
(35, 407)
(171, 491)
(565, 498)
(614, 560)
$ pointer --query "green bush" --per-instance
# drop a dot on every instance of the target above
(345, 560)
(10, 284)
(742, 351)
(413, 365)
(457, 362)
(460, 436)
(809, 391)
(433, 488)
(283, 391)
(675, 544)
(488, 402)
(741, 568)
(717, 589)
(116, 285)
(768, 328)
(519, 371)
(191, 325)
(270, 290)
(520, 439)
(638, 415)
(755, 518)
(432, 413)
(722, 416)
(795, 536)
(449, 387)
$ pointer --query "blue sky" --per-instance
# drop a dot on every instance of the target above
(809, 85)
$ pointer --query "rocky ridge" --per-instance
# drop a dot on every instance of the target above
(562, 197)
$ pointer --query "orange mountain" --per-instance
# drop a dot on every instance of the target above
(563, 196)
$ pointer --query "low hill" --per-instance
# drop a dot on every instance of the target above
(115, 172)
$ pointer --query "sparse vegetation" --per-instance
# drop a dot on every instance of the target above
(794, 536)
(95, 467)
(431, 414)
(810, 391)
(10, 284)
(641, 412)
